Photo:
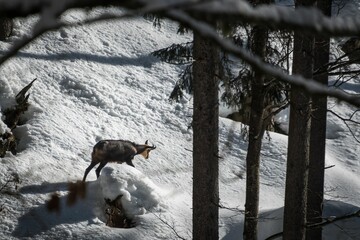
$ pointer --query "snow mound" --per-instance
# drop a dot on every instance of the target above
(139, 193)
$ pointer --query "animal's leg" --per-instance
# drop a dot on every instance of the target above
(102, 164)
(92, 164)
(130, 163)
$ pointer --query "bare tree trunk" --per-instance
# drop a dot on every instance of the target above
(205, 140)
(256, 132)
(299, 139)
(315, 191)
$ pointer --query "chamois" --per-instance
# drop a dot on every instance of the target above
(118, 151)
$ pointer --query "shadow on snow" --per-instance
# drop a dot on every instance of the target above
(39, 220)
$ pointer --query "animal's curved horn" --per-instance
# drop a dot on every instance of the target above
(152, 147)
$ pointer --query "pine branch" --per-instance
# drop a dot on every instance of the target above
(176, 53)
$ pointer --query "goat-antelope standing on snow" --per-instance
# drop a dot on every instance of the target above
(118, 151)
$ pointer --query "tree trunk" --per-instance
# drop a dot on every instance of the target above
(205, 140)
(256, 132)
(315, 191)
(299, 140)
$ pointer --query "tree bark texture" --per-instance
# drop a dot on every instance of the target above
(298, 146)
(299, 140)
(315, 192)
(205, 140)
(256, 132)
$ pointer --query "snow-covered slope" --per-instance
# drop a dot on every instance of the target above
(99, 82)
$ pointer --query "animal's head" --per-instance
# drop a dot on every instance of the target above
(146, 150)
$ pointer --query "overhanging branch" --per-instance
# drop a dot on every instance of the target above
(57, 8)
(308, 85)
(271, 15)
(308, 19)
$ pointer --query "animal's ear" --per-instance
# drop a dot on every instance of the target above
(146, 142)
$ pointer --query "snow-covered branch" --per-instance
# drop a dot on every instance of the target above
(272, 15)
(308, 85)
(50, 11)
(306, 19)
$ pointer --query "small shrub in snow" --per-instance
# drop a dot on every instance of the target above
(116, 215)
(12, 117)
(6, 27)
(11, 183)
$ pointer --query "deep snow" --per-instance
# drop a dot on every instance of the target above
(100, 82)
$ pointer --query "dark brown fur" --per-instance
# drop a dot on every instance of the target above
(119, 151)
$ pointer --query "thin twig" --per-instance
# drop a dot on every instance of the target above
(330, 220)
(172, 227)
(231, 208)
(327, 221)
(346, 120)
(331, 166)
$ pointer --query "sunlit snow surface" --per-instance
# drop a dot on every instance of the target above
(99, 82)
